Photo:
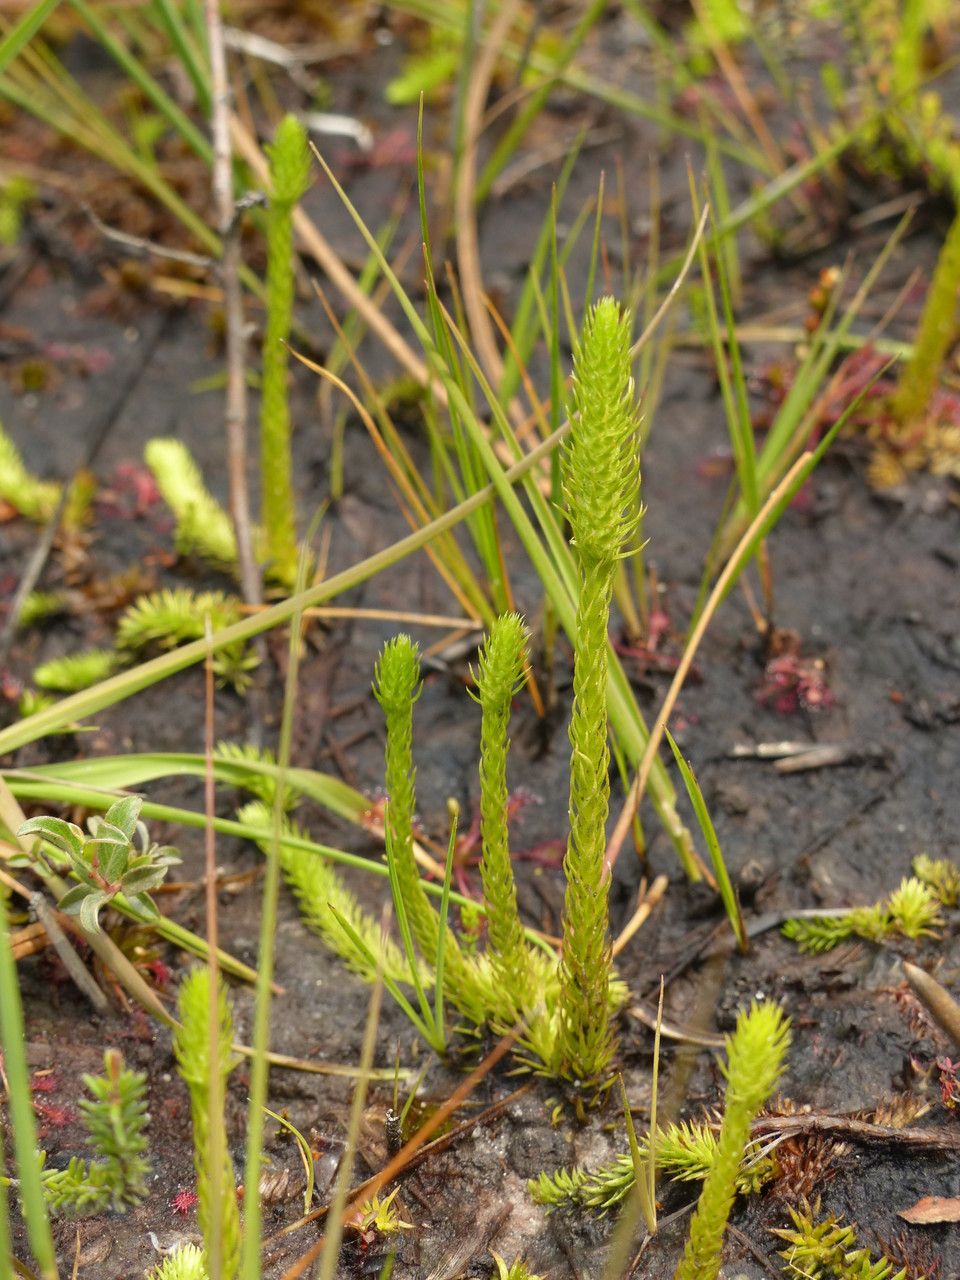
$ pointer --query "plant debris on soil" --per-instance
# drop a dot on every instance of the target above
(100, 355)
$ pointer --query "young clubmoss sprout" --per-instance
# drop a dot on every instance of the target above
(756, 1053)
(499, 676)
(601, 477)
(203, 527)
(36, 499)
(191, 1045)
(187, 1262)
(289, 178)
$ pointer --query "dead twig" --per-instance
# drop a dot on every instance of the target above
(236, 340)
(859, 1131)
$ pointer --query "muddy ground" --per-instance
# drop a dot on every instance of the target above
(868, 582)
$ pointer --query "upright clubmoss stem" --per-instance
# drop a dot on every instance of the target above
(219, 1223)
(289, 178)
(937, 329)
(499, 676)
(397, 687)
(601, 488)
(756, 1053)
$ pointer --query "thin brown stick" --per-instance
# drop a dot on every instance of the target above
(859, 1131)
(235, 325)
(215, 1081)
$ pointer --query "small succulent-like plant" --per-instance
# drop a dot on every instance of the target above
(516, 1270)
(115, 856)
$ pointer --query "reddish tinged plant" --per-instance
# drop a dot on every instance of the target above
(949, 1082)
(792, 682)
(184, 1201)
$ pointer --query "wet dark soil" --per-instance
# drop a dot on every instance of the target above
(869, 584)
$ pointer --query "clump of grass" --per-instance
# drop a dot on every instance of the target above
(203, 528)
(756, 1053)
(36, 499)
(912, 910)
(289, 178)
(218, 1215)
(115, 1119)
(601, 476)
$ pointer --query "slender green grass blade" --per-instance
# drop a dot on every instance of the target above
(117, 688)
(20, 1105)
(709, 831)
(20, 35)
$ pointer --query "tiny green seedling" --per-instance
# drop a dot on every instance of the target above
(115, 857)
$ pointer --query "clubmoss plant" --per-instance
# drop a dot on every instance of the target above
(912, 910)
(40, 606)
(191, 1045)
(939, 874)
(686, 1152)
(517, 1270)
(397, 687)
(289, 178)
(600, 475)
(755, 1058)
(187, 1262)
(115, 1119)
(935, 333)
(828, 1248)
(165, 619)
(76, 671)
(326, 904)
(33, 498)
(499, 676)
(203, 527)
